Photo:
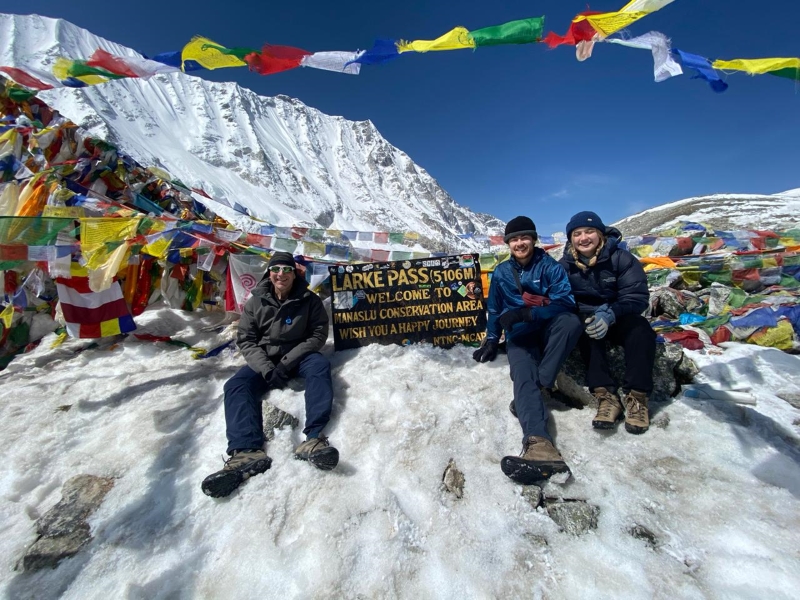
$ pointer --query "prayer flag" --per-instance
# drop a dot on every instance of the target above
(22, 78)
(456, 39)
(274, 59)
(523, 31)
(91, 314)
(782, 67)
(211, 55)
(703, 67)
(341, 62)
(664, 66)
(607, 23)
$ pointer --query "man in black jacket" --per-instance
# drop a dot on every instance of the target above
(610, 287)
(281, 331)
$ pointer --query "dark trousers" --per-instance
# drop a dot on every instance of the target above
(637, 339)
(244, 420)
(535, 361)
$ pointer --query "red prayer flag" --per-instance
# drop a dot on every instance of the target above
(274, 59)
(22, 78)
(582, 31)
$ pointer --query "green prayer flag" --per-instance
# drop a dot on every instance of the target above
(524, 31)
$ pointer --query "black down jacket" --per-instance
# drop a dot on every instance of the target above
(617, 279)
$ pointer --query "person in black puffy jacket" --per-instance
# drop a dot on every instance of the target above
(610, 287)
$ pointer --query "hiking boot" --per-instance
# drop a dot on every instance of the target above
(318, 452)
(538, 461)
(240, 466)
(547, 395)
(609, 409)
(637, 417)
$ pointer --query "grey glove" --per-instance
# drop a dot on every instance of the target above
(598, 324)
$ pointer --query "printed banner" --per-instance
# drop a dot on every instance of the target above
(436, 300)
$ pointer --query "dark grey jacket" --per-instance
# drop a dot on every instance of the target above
(270, 331)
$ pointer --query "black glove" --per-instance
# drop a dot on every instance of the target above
(517, 315)
(278, 377)
(487, 352)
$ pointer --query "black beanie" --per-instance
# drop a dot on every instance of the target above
(281, 258)
(520, 226)
(585, 219)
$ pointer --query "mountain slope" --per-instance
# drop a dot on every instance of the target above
(287, 163)
(721, 211)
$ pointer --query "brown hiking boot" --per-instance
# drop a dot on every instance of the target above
(241, 465)
(539, 460)
(609, 409)
(637, 417)
(318, 452)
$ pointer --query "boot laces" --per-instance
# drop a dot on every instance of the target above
(607, 402)
(635, 408)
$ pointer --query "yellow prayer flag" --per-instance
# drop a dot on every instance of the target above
(456, 39)
(7, 315)
(757, 66)
(209, 54)
(607, 23)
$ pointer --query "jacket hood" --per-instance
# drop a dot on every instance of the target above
(613, 238)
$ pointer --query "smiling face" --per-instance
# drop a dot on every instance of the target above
(282, 281)
(521, 247)
(585, 240)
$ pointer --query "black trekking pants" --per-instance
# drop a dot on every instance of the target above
(637, 339)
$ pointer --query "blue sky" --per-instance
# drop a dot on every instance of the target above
(520, 129)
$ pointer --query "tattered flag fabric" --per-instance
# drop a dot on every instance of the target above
(128, 66)
(703, 67)
(523, 31)
(382, 51)
(274, 59)
(211, 55)
(23, 78)
(457, 38)
(341, 62)
(579, 31)
(782, 67)
(664, 66)
(611, 22)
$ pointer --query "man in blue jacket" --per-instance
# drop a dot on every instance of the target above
(610, 287)
(530, 298)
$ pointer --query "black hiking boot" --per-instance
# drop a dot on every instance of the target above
(539, 461)
(240, 466)
(318, 452)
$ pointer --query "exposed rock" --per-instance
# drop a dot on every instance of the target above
(63, 530)
(643, 533)
(533, 494)
(661, 421)
(453, 479)
(672, 368)
(792, 398)
(573, 516)
(275, 418)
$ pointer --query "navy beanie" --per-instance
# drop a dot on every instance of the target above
(281, 258)
(520, 226)
(585, 219)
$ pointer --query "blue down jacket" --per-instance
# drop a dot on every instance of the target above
(271, 331)
(617, 279)
(542, 276)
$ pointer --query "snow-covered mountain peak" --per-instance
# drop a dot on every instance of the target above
(283, 161)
